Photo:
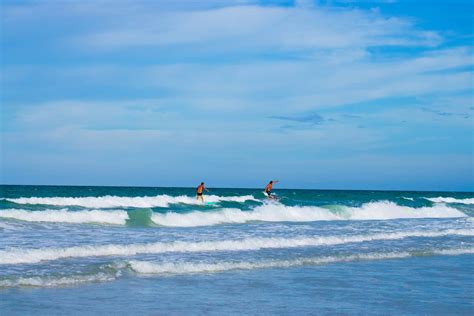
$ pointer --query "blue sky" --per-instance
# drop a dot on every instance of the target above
(318, 94)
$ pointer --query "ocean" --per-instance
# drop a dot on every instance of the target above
(158, 251)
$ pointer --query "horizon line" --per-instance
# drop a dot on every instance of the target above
(244, 188)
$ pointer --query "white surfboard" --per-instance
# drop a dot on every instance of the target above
(271, 197)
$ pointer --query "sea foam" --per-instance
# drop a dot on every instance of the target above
(112, 217)
(147, 268)
(110, 201)
(274, 212)
(28, 256)
(49, 281)
(441, 199)
(381, 210)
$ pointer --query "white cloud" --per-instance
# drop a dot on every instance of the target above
(214, 26)
(333, 65)
(256, 28)
(256, 88)
(307, 84)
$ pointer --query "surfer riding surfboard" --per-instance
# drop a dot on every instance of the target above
(268, 190)
(199, 190)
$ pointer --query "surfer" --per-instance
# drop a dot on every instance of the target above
(268, 189)
(199, 190)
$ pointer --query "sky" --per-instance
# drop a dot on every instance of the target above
(334, 94)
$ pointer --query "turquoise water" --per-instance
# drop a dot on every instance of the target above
(104, 250)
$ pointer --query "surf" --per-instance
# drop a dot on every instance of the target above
(112, 271)
(110, 217)
(267, 212)
(276, 212)
(110, 201)
(150, 268)
(29, 256)
(441, 199)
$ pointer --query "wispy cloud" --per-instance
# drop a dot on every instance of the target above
(446, 114)
(305, 85)
(298, 28)
(312, 119)
(114, 26)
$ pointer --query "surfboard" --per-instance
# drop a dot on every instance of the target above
(210, 203)
(271, 197)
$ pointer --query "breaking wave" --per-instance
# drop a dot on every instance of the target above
(382, 210)
(28, 256)
(441, 199)
(111, 217)
(110, 201)
(390, 210)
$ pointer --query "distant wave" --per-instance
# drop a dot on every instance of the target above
(441, 199)
(110, 201)
(116, 269)
(382, 210)
(27, 256)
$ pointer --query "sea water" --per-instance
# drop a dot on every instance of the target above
(130, 250)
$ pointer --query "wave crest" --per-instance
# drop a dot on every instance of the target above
(116, 269)
(111, 217)
(145, 267)
(110, 201)
(382, 210)
(46, 281)
(441, 199)
(27, 256)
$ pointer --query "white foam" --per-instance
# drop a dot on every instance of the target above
(40, 281)
(27, 256)
(113, 217)
(110, 201)
(144, 267)
(389, 210)
(274, 212)
(454, 252)
(441, 199)
(265, 213)
(171, 268)
(277, 212)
